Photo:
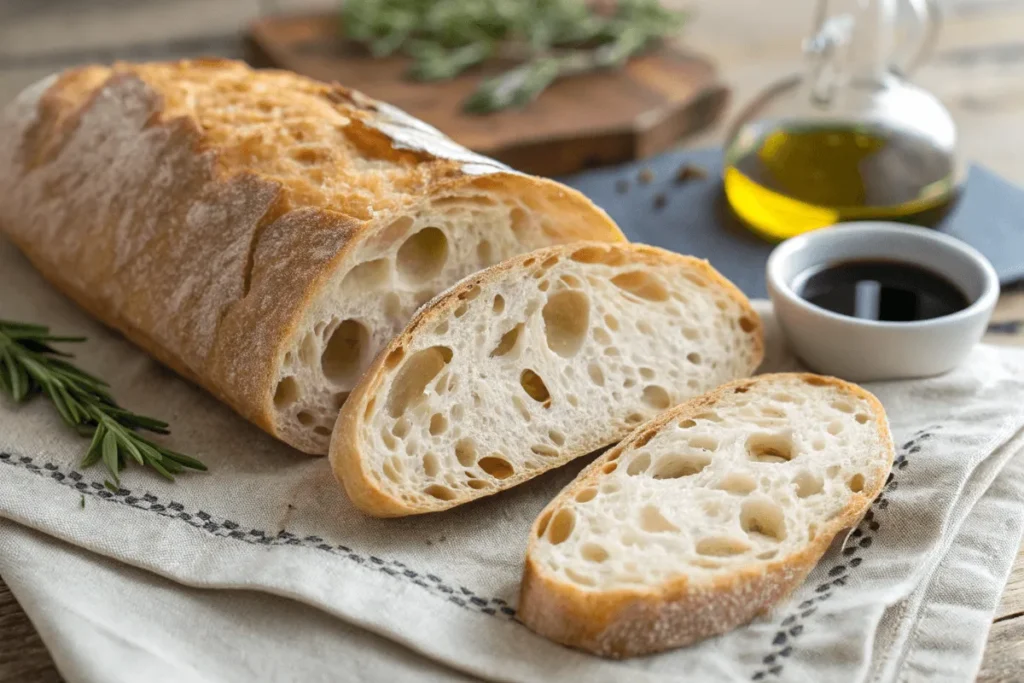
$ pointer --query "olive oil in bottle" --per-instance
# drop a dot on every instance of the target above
(785, 180)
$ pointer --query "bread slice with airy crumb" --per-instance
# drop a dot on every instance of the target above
(706, 516)
(261, 233)
(534, 362)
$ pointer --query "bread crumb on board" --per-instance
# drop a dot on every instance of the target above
(688, 173)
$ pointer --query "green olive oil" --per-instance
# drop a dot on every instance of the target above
(789, 181)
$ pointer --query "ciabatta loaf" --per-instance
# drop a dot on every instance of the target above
(534, 362)
(706, 516)
(259, 232)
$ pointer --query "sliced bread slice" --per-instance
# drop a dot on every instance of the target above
(261, 233)
(531, 363)
(706, 516)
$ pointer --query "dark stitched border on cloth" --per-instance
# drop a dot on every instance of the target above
(223, 528)
(791, 626)
(859, 540)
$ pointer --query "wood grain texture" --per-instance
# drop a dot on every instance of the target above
(1004, 654)
(978, 71)
(1012, 606)
(600, 118)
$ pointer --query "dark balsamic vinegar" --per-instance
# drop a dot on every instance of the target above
(888, 291)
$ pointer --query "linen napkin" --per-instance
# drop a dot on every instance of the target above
(889, 600)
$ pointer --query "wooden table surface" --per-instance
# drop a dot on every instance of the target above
(978, 71)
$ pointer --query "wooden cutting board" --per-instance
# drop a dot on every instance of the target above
(580, 122)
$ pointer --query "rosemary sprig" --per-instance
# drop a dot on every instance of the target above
(29, 364)
(544, 40)
(515, 88)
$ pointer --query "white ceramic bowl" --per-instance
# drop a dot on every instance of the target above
(863, 350)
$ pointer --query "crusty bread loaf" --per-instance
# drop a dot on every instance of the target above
(706, 516)
(261, 233)
(531, 363)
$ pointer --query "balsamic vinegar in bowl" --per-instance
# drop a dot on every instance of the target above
(881, 290)
(881, 301)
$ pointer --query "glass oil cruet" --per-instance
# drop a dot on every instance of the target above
(851, 138)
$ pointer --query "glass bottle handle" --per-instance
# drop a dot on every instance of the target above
(826, 51)
(929, 20)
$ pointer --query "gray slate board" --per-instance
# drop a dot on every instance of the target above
(697, 220)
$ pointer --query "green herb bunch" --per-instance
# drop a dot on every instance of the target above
(30, 365)
(544, 39)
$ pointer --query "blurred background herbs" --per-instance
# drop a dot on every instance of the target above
(541, 40)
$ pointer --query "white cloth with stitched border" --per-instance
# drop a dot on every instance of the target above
(910, 595)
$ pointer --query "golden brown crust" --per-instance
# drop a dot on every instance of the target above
(628, 623)
(176, 203)
(345, 453)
